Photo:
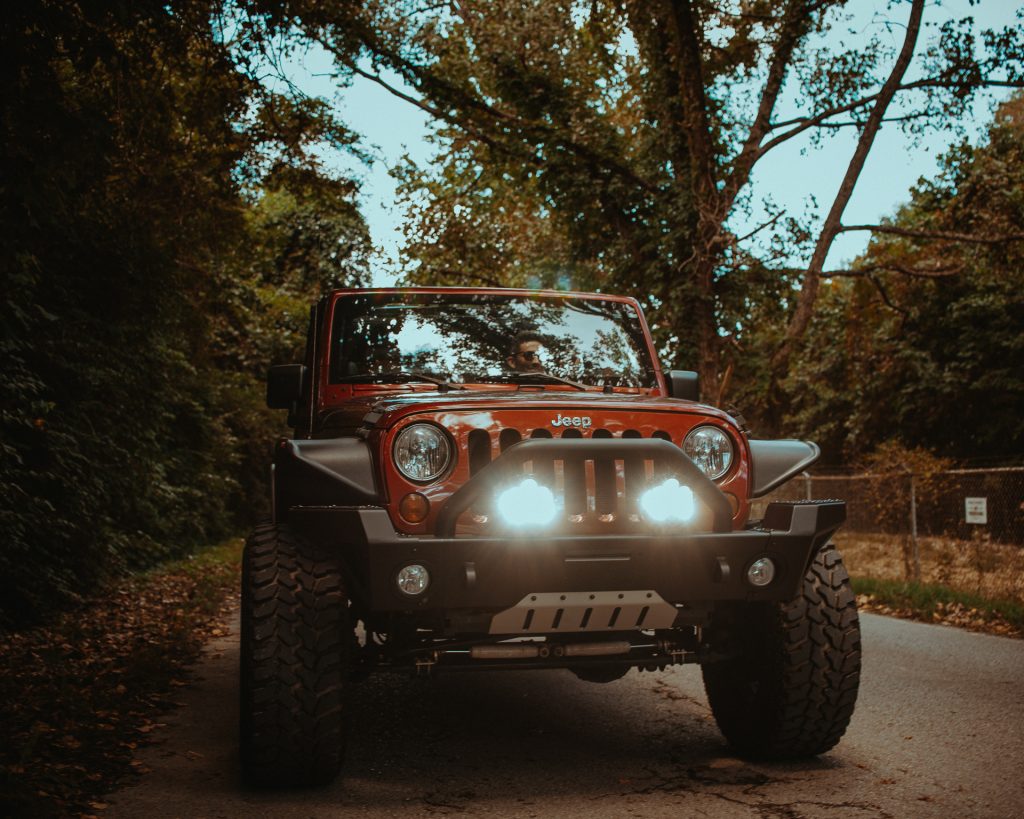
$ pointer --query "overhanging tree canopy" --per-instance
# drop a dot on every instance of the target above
(631, 131)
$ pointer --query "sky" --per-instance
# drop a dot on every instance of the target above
(792, 175)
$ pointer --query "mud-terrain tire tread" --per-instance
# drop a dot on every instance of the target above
(294, 656)
(792, 690)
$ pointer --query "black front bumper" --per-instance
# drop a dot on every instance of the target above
(492, 574)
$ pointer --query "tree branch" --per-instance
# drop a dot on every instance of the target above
(794, 24)
(759, 228)
(857, 124)
(803, 123)
(912, 272)
(811, 122)
(536, 129)
(885, 296)
(935, 234)
(376, 78)
(935, 82)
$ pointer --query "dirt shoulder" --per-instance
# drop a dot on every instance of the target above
(976, 584)
(81, 693)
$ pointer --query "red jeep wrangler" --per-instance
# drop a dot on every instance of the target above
(506, 479)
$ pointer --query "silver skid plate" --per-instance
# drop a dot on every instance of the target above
(567, 612)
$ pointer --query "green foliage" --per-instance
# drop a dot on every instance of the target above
(924, 341)
(142, 287)
(556, 168)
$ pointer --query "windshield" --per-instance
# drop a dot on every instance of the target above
(489, 337)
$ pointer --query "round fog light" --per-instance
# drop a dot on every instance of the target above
(413, 579)
(761, 572)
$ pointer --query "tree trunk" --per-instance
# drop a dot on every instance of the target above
(708, 340)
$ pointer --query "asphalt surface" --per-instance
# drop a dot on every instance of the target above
(938, 731)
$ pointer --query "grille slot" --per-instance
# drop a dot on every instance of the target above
(543, 471)
(508, 437)
(660, 470)
(633, 472)
(479, 444)
(605, 490)
(574, 474)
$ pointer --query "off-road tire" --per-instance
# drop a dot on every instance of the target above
(294, 658)
(791, 690)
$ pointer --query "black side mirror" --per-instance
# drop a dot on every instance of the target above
(286, 384)
(684, 384)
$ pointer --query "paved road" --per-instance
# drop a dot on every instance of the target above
(939, 731)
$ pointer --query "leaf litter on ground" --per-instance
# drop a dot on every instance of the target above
(79, 694)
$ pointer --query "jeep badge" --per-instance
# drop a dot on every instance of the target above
(571, 421)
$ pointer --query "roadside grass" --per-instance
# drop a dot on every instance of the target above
(922, 601)
(80, 693)
(973, 584)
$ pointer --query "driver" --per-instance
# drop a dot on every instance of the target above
(526, 353)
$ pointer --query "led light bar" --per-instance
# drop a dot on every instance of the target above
(527, 504)
(668, 502)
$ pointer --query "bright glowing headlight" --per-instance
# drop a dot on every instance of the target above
(668, 501)
(527, 504)
(422, 452)
(711, 449)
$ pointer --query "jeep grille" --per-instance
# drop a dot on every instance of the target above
(602, 491)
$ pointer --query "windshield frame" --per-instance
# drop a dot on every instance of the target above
(337, 389)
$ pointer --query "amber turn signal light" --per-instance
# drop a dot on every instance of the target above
(414, 507)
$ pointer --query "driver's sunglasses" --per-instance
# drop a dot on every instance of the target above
(529, 355)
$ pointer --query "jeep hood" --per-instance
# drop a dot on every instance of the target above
(384, 411)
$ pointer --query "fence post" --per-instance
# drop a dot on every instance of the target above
(916, 551)
(807, 485)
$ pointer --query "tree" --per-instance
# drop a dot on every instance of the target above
(134, 150)
(634, 129)
(921, 339)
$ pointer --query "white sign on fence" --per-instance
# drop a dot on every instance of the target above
(976, 510)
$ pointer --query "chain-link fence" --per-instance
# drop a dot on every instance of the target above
(959, 503)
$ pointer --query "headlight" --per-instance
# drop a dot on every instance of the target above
(711, 449)
(422, 452)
